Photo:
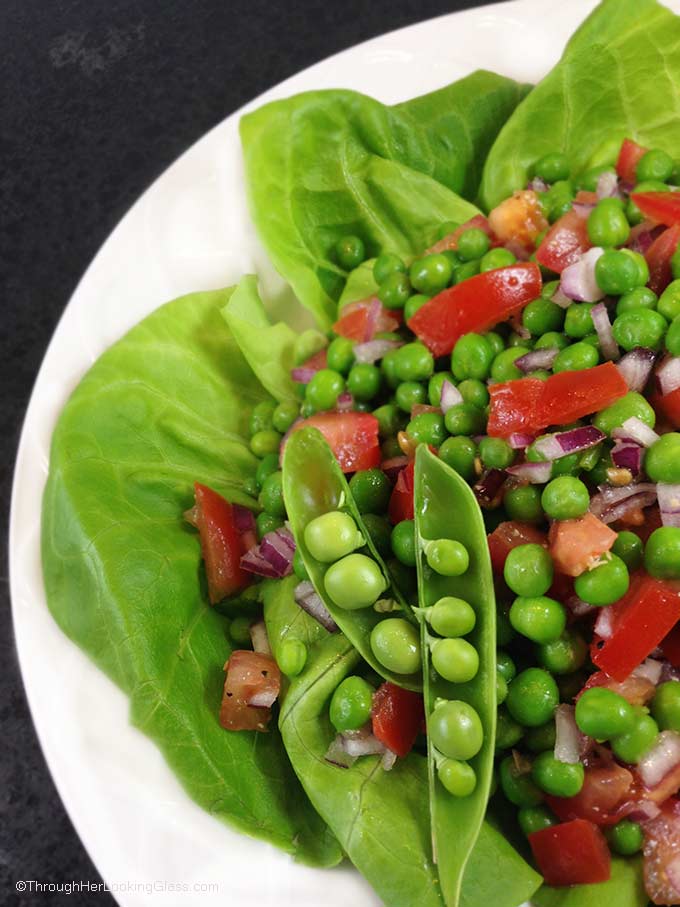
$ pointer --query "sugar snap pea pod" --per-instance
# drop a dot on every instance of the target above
(285, 620)
(445, 508)
(314, 485)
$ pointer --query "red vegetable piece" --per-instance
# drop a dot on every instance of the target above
(509, 535)
(353, 438)
(565, 242)
(637, 690)
(401, 500)
(574, 853)
(628, 159)
(670, 647)
(450, 242)
(667, 406)
(317, 361)
(519, 219)
(575, 545)
(397, 717)
(221, 543)
(476, 304)
(605, 788)
(354, 321)
(641, 619)
(661, 207)
(251, 676)
(514, 407)
(658, 258)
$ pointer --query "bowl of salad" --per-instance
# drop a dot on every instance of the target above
(400, 589)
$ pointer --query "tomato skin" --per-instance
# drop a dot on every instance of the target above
(576, 544)
(531, 405)
(397, 717)
(658, 258)
(605, 788)
(509, 535)
(401, 500)
(476, 304)
(361, 320)
(353, 438)
(317, 361)
(641, 619)
(248, 674)
(661, 207)
(450, 242)
(573, 853)
(667, 406)
(628, 159)
(670, 647)
(565, 242)
(221, 543)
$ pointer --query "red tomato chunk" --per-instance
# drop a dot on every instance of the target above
(661, 207)
(565, 242)
(509, 535)
(576, 545)
(574, 853)
(397, 717)
(353, 438)
(252, 684)
(628, 159)
(658, 258)
(450, 242)
(401, 501)
(605, 788)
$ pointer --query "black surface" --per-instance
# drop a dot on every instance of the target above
(97, 98)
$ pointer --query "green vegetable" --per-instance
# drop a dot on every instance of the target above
(563, 655)
(614, 416)
(350, 706)
(475, 392)
(394, 291)
(628, 546)
(603, 714)
(542, 316)
(625, 837)
(403, 542)
(523, 503)
(324, 388)
(472, 357)
(455, 729)
(534, 818)
(363, 381)
(292, 657)
(408, 394)
(528, 570)
(565, 498)
(332, 535)
(639, 298)
(459, 453)
(639, 327)
(518, 787)
(604, 584)
(387, 265)
(430, 274)
(355, 582)
(662, 553)
(451, 617)
(625, 888)
(271, 496)
(350, 251)
(464, 419)
(662, 461)
(457, 777)
(371, 490)
(473, 243)
(455, 659)
(632, 746)
(532, 697)
(552, 167)
(607, 224)
(617, 272)
(560, 779)
(654, 165)
(396, 645)
(576, 357)
(496, 258)
(340, 355)
(539, 618)
(666, 705)
(447, 557)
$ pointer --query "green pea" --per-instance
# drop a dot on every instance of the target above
(403, 542)
(532, 697)
(299, 568)
(628, 547)
(607, 224)
(504, 632)
(475, 392)
(431, 273)
(552, 167)
(473, 243)
(394, 291)
(578, 322)
(354, 582)
(632, 404)
(501, 690)
(603, 714)
(503, 367)
(351, 703)
(464, 419)
(239, 630)
(666, 705)
(669, 301)
(350, 251)
(632, 746)
(539, 618)
(446, 229)
(455, 729)
(604, 584)
(261, 417)
(576, 357)
(413, 303)
(617, 273)
(496, 258)
(458, 777)
(523, 503)
(466, 270)
(662, 461)
(332, 535)
(451, 617)
(408, 394)
(324, 389)
(371, 490)
(427, 428)
(662, 553)
(625, 838)
(518, 787)
(284, 415)
(455, 660)
(471, 357)
(550, 340)
(541, 738)
(589, 178)
(267, 522)
(557, 200)
(265, 442)
(460, 453)
(563, 655)
(396, 644)
(292, 656)
(542, 316)
(673, 337)
(639, 327)
(388, 367)
(496, 341)
(389, 420)
(560, 779)
(565, 498)
(639, 298)
(380, 531)
(268, 465)
(447, 557)
(271, 496)
(306, 409)
(414, 362)
(534, 818)
(363, 381)
(391, 448)
(434, 386)
(505, 666)
(518, 340)
(675, 264)
(496, 453)
(250, 485)
(528, 571)
(654, 165)
(508, 731)
(385, 265)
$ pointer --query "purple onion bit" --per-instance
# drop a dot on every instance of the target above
(302, 374)
(488, 489)
(310, 601)
(627, 455)
(520, 440)
(603, 326)
(536, 359)
(578, 280)
(636, 367)
(612, 503)
(372, 350)
(668, 375)
(669, 503)
(273, 557)
(534, 473)
(557, 445)
(450, 396)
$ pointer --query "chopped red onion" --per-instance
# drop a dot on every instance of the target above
(450, 396)
(650, 669)
(253, 562)
(419, 408)
(643, 235)
(668, 375)
(303, 374)
(583, 209)
(608, 185)
(560, 299)
(388, 760)
(518, 249)
(520, 441)
(603, 326)
(636, 430)
(520, 330)
(627, 455)
(661, 759)
(534, 473)
(344, 403)
(537, 185)
(669, 503)
(244, 519)
(337, 755)
(489, 486)
(259, 638)
(578, 280)
(603, 625)
(278, 547)
(552, 447)
(544, 358)
(361, 743)
(636, 367)
(372, 315)
(612, 503)
(568, 738)
(638, 810)
(307, 598)
(577, 606)
(372, 350)
(394, 466)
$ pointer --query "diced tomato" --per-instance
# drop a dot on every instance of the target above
(531, 405)
(519, 219)
(401, 499)
(573, 853)
(641, 619)
(509, 535)
(252, 684)
(476, 304)
(635, 689)
(221, 543)
(661, 207)
(628, 159)
(585, 197)
(397, 717)
(353, 438)
(670, 646)
(450, 242)
(658, 258)
(667, 406)
(565, 242)
(575, 545)
(361, 320)
(661, 850)
(317, 361)
(605, 788)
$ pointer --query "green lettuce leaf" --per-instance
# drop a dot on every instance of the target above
(618, 78)
(324, 164)
(625, 888)
(167, 405)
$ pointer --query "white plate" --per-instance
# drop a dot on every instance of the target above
(190, 231)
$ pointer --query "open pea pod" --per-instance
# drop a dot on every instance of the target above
(314, 484)
(445, 508)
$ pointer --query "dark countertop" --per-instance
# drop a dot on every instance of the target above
(98, 98)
